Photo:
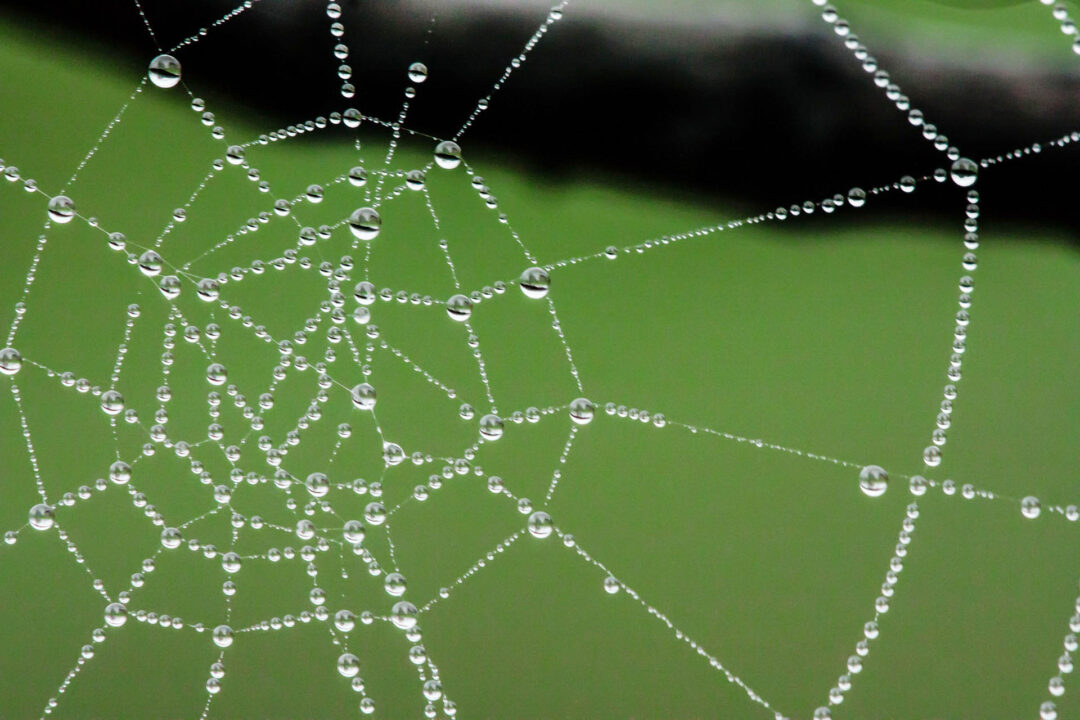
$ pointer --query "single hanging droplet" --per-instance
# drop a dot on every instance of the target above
(540, 524)
(932, 456)
(873, 481)
(112, 402)
(115, 614)
(348, 665)
(582, 411)
(611, 585)
(403, 615)
(491, 427)
(150, 263)
(394, 584)
(448, 154)
(223, 636)
(365, 223)
(61, 209)
(856, 197)
(41, 517)
(418, 72)
(363, 396)
(164, 71)
(10, 361)
(459, 307)
(216, 374)
(1030, 507)
(964, 172)
(535, 282)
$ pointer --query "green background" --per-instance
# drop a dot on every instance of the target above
(833, 341)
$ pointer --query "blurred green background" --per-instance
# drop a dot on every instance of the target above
(827, 338)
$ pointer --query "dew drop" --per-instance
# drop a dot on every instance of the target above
(448, 154)
(540, 524)
(10, 361)
(42, 517)
(363, 396)
(418, 72)
(1030, 507)
(582, 411)
(491, 427)
(459, 307)
(873, 481)
(61, 209)
(964, 172)
(365, 223)
(164, 71)
(535, 283)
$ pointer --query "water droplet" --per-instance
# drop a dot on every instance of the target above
(448, 154)
(42, 517)
(317, 484)
(375, 513)
(150, 263)
(354, 531)
(171, 538)
(856, 197)
(1048, 711)
(207, 289)
(964, 172)
(918, 485)
(235, 155)
(611, 585)
(459, 308)
(873, 481)
(540, 524)
(582, 411)
(363, 396)
(403, 615)
(491, 427)
(365, 223)
(216, 374)
(120, 472)
(164, 71)
(414, 179)
(10, 361)
(115, 614)
(932, 456)
(394, 584)
(418, 72)
(357, 176)
(535, 283)
(61, 209)
(1030, 507)
(348, 665)
(393, 454)
(223, 636)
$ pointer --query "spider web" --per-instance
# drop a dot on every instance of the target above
(256, 318)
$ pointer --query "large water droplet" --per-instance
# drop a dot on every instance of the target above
(535, 282)
(491, 427)
(363, 396)
(1030, 507)
(41, 517)
(61, 209)
(459, 307)
(873, 481)
(418, 72)
(164, 71)
(582, 411)
(540, 524)
(964, 172)
(365, 223)
(10, 361)
(448, 154)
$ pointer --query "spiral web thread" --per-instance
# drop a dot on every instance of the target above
(384, 186)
